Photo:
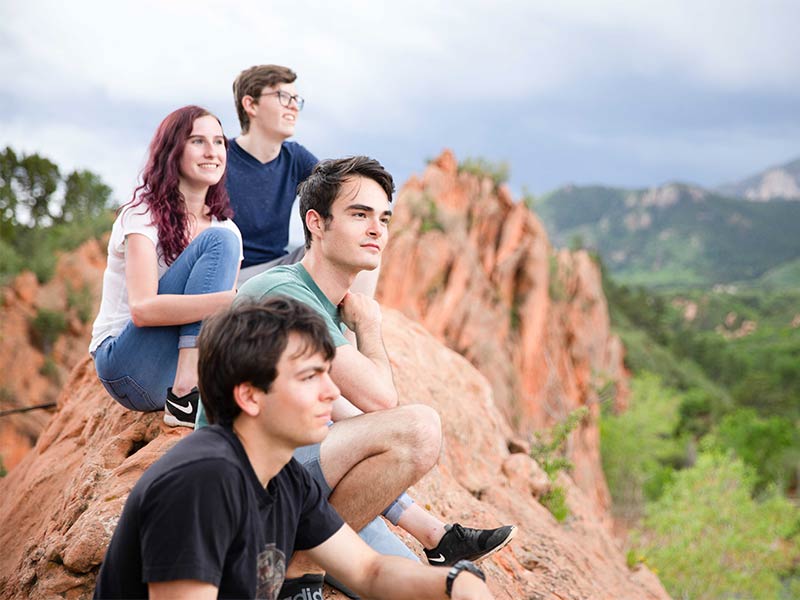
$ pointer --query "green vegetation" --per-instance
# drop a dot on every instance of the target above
(45, 328)
(549, 452)
(678, 235)
(49, 369)
(498, 172)
(704, 464)
(43, 212)
(708, 537)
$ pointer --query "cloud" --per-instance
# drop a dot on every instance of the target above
(389, 78)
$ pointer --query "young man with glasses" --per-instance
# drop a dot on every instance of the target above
(264, 168)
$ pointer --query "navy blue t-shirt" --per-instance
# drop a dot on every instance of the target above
(262, 195)
(201, 513)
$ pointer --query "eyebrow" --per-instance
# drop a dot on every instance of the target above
(369, 209)
(198, 135)
(313, 369)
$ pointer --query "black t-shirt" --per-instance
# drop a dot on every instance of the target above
(201, 513)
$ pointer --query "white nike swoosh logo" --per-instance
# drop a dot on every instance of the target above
(437, 559)
(184, 409)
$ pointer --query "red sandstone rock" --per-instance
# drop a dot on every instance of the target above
(478, 271)
(28, 376)
(60, 505)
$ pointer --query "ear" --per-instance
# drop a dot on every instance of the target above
(245, 397)
(250, 105)
(315, 223)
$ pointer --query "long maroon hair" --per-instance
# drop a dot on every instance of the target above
(160, 177)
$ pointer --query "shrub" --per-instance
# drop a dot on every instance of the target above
(708, 538)
(498, 172)
(639, 449)
(45, 328)
(548, 450)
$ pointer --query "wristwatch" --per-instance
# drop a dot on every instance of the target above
(462, 565)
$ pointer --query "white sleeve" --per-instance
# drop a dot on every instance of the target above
(135, 220)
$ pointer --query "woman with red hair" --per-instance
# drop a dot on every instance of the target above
(173, 260)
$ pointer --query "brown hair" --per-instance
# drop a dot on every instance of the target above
(244, 345)
(320, 189)
(251, 81)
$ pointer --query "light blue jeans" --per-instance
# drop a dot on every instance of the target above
(137, 366)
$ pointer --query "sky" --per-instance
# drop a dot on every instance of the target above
(630, 93)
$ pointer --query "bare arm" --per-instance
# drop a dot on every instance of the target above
(148, 307)
(364, 375)
(372, 575)
(183, 589)
(344, 409)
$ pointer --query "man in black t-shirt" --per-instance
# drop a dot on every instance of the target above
(221, 512)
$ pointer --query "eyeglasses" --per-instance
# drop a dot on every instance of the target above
(285, 98)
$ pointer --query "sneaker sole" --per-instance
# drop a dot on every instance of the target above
(499, 546)
(173, 422)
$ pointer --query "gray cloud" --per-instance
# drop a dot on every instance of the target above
(625, 92)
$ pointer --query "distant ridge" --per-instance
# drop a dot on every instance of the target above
(676, 234)
(776, 183)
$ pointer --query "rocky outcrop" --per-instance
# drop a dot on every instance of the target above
(781, 182)
(477, 270)
(33, 365)
(60, 505)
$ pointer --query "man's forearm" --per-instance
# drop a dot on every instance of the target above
(370, 343)
(394, 578)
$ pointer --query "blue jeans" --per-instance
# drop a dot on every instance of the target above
(137, 366)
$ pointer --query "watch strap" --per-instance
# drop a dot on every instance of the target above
(455, 571)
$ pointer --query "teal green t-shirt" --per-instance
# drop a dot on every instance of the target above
(295, 282)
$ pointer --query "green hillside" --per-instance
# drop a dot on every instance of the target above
(703, 465)
(784, 276)
(676, 235)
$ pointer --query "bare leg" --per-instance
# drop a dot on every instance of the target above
(426, 528)
(186, 372)
(371, 459)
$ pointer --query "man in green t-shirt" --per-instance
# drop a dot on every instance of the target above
(375, 448)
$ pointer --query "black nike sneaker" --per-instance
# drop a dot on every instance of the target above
(181, 411)
(460, 543)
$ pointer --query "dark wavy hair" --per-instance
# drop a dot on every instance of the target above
(245, 344)
(159, 187)
(321, 188)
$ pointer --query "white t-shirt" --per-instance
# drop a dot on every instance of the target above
(114, 310)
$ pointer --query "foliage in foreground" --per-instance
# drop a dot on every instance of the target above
(640, 450)
(548, 451)
(708, 538)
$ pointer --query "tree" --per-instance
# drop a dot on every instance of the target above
(38, 179)
(85, 196)
(41, 212)
(708, 538)
(8, 198)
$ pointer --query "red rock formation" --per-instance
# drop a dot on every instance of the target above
(478, 272)
(60, 505)
(32, 375)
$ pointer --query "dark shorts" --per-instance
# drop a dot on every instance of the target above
(308, 456)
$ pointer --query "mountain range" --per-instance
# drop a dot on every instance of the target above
(681, 234)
